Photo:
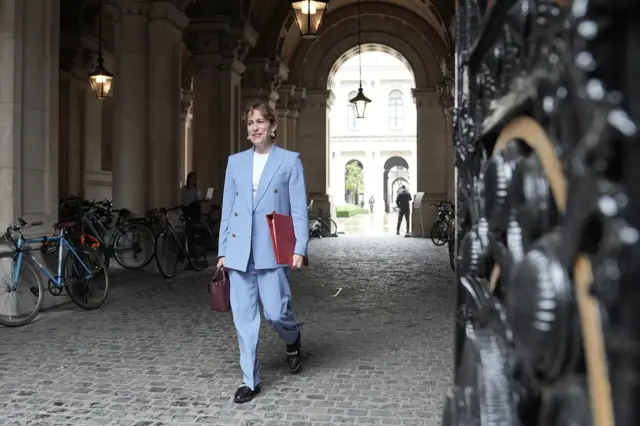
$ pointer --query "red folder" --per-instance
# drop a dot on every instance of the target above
(283, 238)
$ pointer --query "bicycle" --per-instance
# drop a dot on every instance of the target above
(443, 224)
(193, 245)
(130, 241)
(77, 284)
(320, 227)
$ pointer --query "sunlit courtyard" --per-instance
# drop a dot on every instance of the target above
(377, 223)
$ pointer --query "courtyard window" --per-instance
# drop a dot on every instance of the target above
(396, 109)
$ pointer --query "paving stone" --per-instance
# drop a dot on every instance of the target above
(378, 353)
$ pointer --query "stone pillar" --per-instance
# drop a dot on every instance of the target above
(165, 80)
(70, 141)
(446, 92)
(313, 145)
(218, 55)
(289, 101)
(131, 96)
(260, 81)
(29, 88)
(374, 172)
(432, 154)
(282, 119)
(98, 183)
(186, 133)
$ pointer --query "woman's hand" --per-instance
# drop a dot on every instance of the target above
(220, 263)
(297, 261)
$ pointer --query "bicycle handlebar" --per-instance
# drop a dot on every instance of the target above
(20, 226)
(165, 210)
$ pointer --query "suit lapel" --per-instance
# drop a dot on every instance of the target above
(247, 178)
(273, 164)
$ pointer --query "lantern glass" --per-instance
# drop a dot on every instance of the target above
(100, 80)
(309, 14)
(360, 101)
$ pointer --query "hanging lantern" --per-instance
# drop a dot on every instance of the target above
(309, 14)
(360, 101)
(100, 80)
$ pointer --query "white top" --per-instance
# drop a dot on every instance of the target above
(259, 161)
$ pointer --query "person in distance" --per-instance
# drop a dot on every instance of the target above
(259, 181)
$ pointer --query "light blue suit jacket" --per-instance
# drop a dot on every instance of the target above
(243, 227)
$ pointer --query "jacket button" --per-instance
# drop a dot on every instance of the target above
(236, 213)
(275, 190)
(233, 235)
(236, 193)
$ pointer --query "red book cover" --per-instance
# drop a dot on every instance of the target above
(283, 238)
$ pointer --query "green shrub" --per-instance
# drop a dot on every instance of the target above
(348, 210)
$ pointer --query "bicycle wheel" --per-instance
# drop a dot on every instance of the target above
(87, 292)
(167, 254)
(134, 246)
(196, 245)
(329, 228)
(438, 233)
(31, 291)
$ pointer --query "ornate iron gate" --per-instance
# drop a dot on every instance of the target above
(545, 125)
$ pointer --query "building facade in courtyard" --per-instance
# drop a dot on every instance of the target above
(382, 143)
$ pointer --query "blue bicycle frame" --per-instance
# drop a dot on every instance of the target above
(62, 243)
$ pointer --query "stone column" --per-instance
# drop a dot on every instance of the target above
(289, 101)
(313, 146)
(186, 140)
(29, 89)
(71, 152)
(218, 54)
(446, 92)
(261, 80)
(432, 153)
(164, 76)
(282, 119)
(131, 96)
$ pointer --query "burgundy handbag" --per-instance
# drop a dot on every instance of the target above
(219, 298)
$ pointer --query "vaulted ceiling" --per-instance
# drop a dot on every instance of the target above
(280, 37)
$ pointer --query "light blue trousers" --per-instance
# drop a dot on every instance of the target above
(272, 287)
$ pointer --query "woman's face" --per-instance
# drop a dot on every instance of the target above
(258, 128)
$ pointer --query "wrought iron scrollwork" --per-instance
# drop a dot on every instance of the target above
(545, 128)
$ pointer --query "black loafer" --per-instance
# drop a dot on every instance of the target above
(245, 394)
(294, 356)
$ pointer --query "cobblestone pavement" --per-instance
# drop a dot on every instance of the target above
(377, 353)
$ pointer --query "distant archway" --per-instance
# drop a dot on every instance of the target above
(388, 128)
(353, 182)
(396, 169)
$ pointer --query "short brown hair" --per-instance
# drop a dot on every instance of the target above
(264, 108)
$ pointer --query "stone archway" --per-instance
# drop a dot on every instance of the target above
(392, 162)
(314, 64)
(351, 197)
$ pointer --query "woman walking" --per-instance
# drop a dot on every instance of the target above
(259, 181)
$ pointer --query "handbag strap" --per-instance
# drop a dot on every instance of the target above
(215, 276)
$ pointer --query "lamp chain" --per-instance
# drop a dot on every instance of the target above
(359, 47)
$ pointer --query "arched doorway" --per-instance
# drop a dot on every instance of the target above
(314, 65)
(354, 183)
(387, 129)
(396, 173)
